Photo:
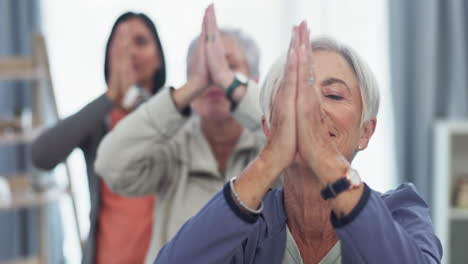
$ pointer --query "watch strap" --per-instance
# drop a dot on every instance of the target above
(230, 91)
(332, 190)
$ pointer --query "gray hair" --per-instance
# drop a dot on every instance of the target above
(367, 83)
(247, 44)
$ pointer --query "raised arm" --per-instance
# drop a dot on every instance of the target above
(136, 157)
(229, 225)
(247, 110)
(395, 228)
(56, 143)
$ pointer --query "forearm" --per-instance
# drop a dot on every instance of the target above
(214, 235)
(345, 202)
(56, 143)
(134, 157)
(329, 172)
(186, 94)
(256, 180)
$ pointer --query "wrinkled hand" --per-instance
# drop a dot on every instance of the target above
(218, 67)
(281, 146)
(121, 72)
(315, 145)
(198, 70)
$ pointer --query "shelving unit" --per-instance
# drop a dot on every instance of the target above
(12, 132)
(19, 138)
(459, 214)
(23, 261)
(450, 164)
(24, 196)
(23, 130)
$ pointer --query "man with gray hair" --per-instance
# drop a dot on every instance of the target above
(183, 158)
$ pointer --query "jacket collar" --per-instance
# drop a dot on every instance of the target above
(201, 156)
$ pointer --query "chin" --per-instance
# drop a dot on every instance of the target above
(219, 116)
(219, 110)
(215, 113)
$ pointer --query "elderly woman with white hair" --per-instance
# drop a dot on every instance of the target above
(320, 106)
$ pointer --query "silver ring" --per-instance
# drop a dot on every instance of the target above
(311, 81)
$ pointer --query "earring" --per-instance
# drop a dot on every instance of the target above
(359, 147)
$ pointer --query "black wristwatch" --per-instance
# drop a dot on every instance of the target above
(239, 79)
(352, 180)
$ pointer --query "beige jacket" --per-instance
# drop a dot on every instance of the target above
(156, 150)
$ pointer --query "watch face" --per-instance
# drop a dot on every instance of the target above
(354, 177)
(241, 78)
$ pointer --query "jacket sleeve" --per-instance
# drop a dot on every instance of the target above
(138, 156)
(248, 111)
(56, 143)
(134, 158)
(214, 235)
(393, 228)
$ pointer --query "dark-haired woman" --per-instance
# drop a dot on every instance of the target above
(134, 70)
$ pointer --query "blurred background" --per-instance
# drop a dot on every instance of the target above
(417, 50)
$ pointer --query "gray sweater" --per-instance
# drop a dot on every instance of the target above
(84, 130)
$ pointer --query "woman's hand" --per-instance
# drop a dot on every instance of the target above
(218, 67)
(315, 145)
(198, 70)
(198, 74)
(121, 72)
(281, 146)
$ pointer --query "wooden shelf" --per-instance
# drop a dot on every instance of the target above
(20, 76)
(23, 195)
(459, 214)
(30, 260)
(450, 156)
(34, 68)
(11, 132)
(18, 138)
(18, 68)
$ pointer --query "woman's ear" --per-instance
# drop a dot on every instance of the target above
(266, 130)
(367, 131)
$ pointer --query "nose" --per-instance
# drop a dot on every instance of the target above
(132, 50)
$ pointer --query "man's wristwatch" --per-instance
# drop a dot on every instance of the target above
(239, 79)
(352, 180)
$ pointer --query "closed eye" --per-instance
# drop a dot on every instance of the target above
(334, 97)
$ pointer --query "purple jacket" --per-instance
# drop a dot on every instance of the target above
(391, 228)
